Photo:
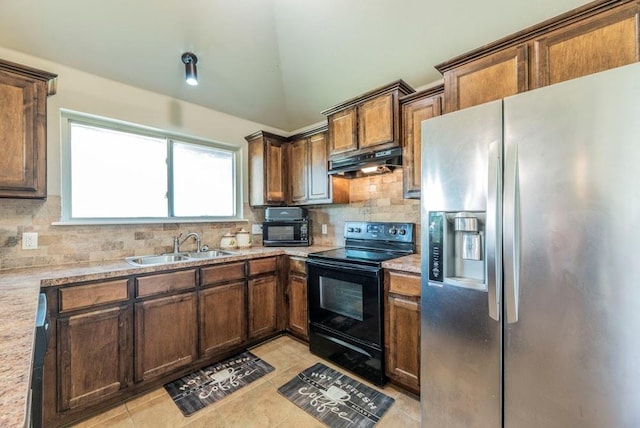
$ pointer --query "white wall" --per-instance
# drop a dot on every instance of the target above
(92, 94)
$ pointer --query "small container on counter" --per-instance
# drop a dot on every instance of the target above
(243, 239)
(228, 241)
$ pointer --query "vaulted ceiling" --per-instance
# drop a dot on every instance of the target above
(276, 62)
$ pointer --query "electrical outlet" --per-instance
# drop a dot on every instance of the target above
(256, 229)
(324, 229)
(29, 241)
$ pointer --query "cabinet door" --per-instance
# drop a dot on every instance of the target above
(23, 164)
(605, 41)
(318, 167)
(299, 170)
(222, 318)
(486, 79)
(402, 329)
(165, 334)
(267, 172)
(342, 131)
(262, 306)
(413, 113)
(94, 356)
(375, 121)
(256, 172)
(298, 306)
(275, 171)
(403, 357)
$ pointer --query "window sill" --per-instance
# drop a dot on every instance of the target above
(101, 222)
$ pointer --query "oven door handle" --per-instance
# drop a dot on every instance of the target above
(345, 344)
(344, 266)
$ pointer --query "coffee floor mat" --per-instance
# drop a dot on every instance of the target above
(335, 399)
(210, 384)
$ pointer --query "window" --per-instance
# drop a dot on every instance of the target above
(117, 172)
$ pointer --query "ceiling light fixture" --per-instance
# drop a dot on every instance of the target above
(190, 71)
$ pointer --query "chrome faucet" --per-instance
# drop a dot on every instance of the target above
(177, 242)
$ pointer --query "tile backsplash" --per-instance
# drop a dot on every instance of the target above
(72, 244)
(374, 198)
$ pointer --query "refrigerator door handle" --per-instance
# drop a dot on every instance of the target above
(511, 233)
(494, 231)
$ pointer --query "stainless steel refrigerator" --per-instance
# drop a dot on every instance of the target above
(531, 259)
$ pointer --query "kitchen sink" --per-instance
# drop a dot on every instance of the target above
(154, 260)
(211, 254)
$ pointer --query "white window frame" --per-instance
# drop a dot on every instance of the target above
(69, 116)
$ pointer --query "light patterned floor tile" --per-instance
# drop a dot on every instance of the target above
(257, 405)
(117, 417)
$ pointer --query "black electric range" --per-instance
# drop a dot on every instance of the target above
(346, 296)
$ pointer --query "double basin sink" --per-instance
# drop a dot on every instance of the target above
(162, 259)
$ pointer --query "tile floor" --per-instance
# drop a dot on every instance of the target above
(256, 405)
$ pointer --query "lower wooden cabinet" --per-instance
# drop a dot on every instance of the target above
(402, 329)
(112, 339)
(222, 317)
(166, 335)
(263, 306)
(296, 293)
(94, 356)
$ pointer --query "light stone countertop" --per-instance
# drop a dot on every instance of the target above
(19, 289)
(407, 264)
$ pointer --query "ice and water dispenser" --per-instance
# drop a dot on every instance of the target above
(456, 249)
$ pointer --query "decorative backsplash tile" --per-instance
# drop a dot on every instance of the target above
(374, 198)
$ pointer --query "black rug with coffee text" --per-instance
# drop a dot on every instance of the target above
(208, 385)
(335, 399)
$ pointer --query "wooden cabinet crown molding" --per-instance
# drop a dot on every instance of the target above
(423, 93)
(400, 85)
(538, 30)
(33, 73)
(310, 132)
(265, 134)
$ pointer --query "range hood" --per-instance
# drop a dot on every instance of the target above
(363, 164)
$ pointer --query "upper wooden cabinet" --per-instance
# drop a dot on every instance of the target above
(607, 40)
(308, 180)
(371, 119)
(23, 130)
(415, 108)
(486, 79)
(598, 36)
(267, 169)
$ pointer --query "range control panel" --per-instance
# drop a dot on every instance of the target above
(379, 231)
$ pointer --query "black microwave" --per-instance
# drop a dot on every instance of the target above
(286, 233)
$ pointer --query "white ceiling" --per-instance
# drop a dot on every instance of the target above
(276, 62)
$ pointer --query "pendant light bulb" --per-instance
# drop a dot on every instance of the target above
(191, 73)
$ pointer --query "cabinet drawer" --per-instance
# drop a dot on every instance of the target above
(166, 282)
(259, 266)
(298, 265)
(221, 273)
(93, 294)
(405, 284)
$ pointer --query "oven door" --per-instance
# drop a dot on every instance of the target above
(347, 299)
